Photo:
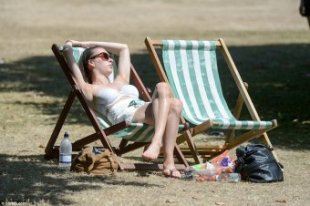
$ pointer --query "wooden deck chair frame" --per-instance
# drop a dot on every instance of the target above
(231, 140)
(102, 134)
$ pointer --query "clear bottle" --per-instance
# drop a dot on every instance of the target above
(234, 177)
(228, 177)
(65, 152)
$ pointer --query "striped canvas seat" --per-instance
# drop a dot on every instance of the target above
(191, 68)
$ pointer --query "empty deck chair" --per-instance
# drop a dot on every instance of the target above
(190, 67)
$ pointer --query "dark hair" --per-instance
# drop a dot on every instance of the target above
(88, 52)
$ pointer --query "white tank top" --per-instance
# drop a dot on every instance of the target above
(108, 96)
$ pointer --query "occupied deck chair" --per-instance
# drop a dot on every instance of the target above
(191, 69)
(133, 136)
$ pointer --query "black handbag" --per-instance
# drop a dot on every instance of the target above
(255, 163)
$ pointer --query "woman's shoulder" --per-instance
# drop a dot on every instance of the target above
(88, 90)
(122, 79)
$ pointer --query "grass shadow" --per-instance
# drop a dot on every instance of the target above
(32, 179)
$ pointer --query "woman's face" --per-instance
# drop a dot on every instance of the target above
(102, 61)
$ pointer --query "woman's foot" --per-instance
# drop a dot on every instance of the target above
(172, 172)
(152, 152)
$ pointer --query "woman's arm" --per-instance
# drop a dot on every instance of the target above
(75, 69)
(121, 50)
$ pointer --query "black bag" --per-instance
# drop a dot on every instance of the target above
(255, 163)
(304, 8)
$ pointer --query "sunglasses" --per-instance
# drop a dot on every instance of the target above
(103, 55)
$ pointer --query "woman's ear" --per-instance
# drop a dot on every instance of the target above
(90, 64)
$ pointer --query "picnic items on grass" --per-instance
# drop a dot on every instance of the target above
(220, 168)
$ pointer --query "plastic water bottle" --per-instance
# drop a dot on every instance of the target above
(65, 152)
(234, 177)
(228, 177)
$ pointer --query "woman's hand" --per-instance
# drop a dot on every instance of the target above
(68, 52)
(75, 43)
(67, 48)
(73, 66)
(68, 42)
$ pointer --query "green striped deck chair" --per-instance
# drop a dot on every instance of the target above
(132, 136)
(190, 67)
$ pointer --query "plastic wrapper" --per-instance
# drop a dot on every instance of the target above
(214, 170)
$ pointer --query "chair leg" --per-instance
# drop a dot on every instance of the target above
(264, 137)
(123, 143)
(237, 112)
(187, 136)
(129, 147)
(59, 124)
(79, 144)
(178, 153)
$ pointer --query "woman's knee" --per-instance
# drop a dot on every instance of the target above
(176, 106)
(163, 89)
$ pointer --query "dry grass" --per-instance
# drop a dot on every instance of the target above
(31, 98)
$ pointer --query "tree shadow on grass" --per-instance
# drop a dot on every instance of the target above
(32, 179)
(278, 77)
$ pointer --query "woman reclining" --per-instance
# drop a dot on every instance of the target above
(119, 101)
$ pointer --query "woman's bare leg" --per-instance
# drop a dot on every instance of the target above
(169, 139)
(160, 107)
(164, 112)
